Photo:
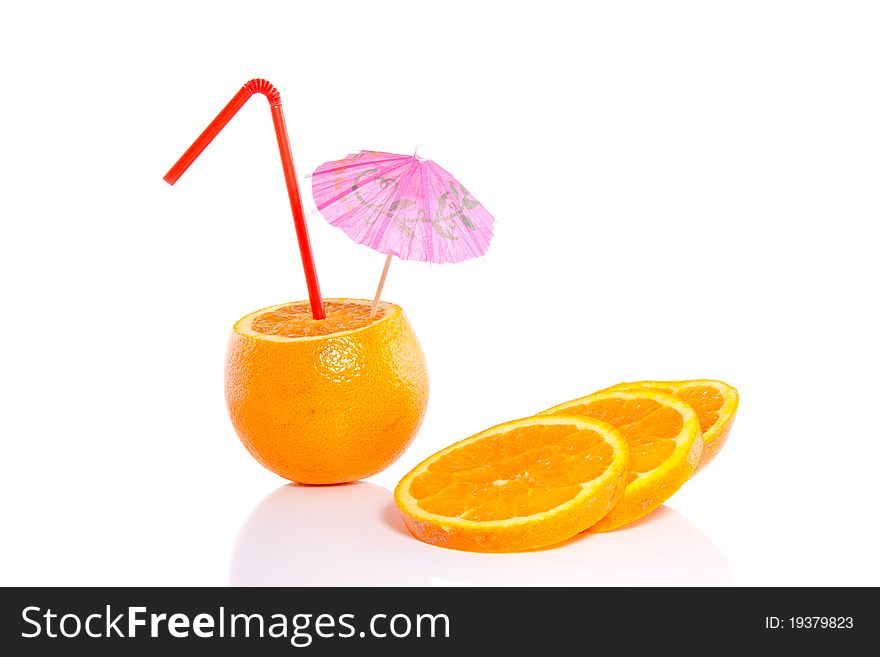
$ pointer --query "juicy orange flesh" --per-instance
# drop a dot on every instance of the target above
(705, 400)
(521, 472)
(648, 427)
(295, 320)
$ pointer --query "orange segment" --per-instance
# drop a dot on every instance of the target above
(715, 403)
(294, 320)
(664, 440)
(521, 485)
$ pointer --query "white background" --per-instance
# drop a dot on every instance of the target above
(682, 189)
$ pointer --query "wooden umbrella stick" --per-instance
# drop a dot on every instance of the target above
(381, 285)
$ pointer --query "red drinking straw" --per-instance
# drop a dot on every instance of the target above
(299, 220)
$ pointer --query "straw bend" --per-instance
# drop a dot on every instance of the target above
(261, 86)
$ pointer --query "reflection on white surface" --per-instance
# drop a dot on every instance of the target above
(352, 535)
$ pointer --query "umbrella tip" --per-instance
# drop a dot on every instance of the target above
(423, 152)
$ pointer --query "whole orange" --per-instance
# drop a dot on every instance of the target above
(326, 401)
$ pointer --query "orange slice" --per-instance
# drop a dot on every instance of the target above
(521, 485)
(664, 440)
(714, 401)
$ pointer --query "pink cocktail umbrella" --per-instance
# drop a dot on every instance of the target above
(402, 205)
